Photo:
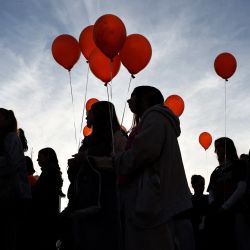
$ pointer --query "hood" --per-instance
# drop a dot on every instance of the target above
(166, 112)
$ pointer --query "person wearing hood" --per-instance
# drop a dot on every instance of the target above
(156, 189)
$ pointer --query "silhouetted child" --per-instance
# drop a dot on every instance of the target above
(199, 210)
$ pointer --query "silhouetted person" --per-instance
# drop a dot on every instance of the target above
(93, 201)
(156, 189)
(199, 210)
(226, 189)
(46, 200)
(14, 186)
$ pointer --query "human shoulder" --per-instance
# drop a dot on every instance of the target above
(120, 141)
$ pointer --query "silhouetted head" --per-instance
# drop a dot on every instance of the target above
(8, 122)
(198, 184)
(101, 113)
(144, 97)
(47, 156)
(244, 157)
(225, 149)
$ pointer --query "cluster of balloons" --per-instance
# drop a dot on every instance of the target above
(105, 45)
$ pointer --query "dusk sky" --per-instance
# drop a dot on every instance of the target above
(185, 35)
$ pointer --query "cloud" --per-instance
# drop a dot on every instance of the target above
(185, 37)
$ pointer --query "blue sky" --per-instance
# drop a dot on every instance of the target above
(185, 36)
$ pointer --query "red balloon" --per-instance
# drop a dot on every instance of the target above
(225, 65)
(87, 131)
(66, 51)
(86, 41)
(205, 139)
(136, 53)
(90, 102)
(109, 34)
(102, 67)
(176, 104)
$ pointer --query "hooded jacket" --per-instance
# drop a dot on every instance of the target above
(159, 190)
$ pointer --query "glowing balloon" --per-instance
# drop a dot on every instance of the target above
(136, 53)
(66, 51)
(90, 102)
(205, 139)
(225, 65)
(176, 104)
(109, 34)
(102, 67)
(87, 131)
(86, 41)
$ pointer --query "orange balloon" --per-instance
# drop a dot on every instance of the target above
(90, 102)
(87, 131)
(102, 67)
(109, 34)
(66, 51)
(136, 53)
(225, 65)
(176, 104)
(205, 139)
(86, 41)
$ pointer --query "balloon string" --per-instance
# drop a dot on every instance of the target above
(72, 100)
(225, 118)
(111, 78)
(124, 109)
(206, 167)
(84, 104)
(111, 111)
(111, 125)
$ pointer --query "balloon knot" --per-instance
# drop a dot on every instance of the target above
(87, 61)
(226, 80)
(133, 76)
(106, 84)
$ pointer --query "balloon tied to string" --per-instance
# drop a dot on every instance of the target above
(132, 76)
(205, 139)
(225, 65)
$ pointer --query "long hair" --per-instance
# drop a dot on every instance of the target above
(52, 157)
(105, 123)
(228, 145)
(23, 139)
(10, 122)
